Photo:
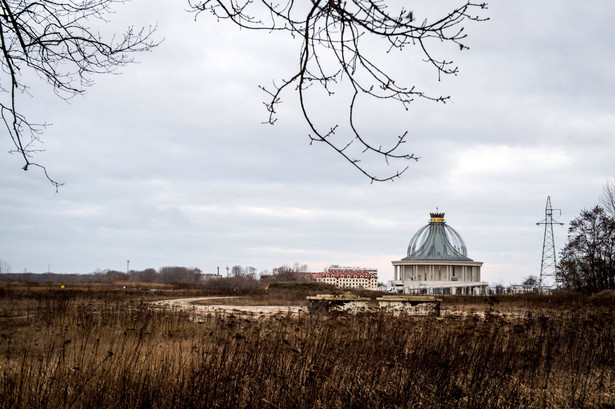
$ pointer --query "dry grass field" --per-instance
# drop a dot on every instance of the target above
(106, 347)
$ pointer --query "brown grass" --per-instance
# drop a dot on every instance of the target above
(80, 349)
(276, 293)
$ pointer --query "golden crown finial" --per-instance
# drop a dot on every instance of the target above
(437, 217)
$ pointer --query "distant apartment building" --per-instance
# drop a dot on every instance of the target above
(348, 277)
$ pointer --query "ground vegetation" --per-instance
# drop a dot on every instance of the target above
(107, 348)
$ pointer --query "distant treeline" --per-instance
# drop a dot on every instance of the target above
(47, 277)
(165, 275)
(240, 277)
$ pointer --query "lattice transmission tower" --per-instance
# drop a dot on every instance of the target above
(549, 262)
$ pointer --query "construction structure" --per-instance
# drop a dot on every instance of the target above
(437, 262)
(339, 302)
(411, 304)
(348, 277)
(548, 262)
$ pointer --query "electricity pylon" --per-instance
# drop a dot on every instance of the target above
(549, 262)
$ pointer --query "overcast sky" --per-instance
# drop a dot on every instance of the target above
(169, 163)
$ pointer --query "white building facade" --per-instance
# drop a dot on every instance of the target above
(349, 277)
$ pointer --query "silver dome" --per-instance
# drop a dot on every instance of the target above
(437, 241)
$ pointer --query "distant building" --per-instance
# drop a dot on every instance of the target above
(437, 263)
(349, 277)
(522, 288)
(210, 276)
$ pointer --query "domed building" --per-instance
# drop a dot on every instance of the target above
(437, 262)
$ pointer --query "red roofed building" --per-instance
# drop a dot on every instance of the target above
(349, 277)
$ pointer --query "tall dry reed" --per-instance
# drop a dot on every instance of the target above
(83, 352)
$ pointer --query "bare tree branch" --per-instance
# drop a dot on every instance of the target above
(331, 33)
(54, 40)
(607, 199)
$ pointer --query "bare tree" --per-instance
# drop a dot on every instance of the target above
(300, 268)
(608, 197)
(587, 261)
(179, 275)
(54, 40)
(298, 272)
(250, 273)
(148, 275)
(531, 281)
(5, 267)
(334, 37)
(237, 271)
